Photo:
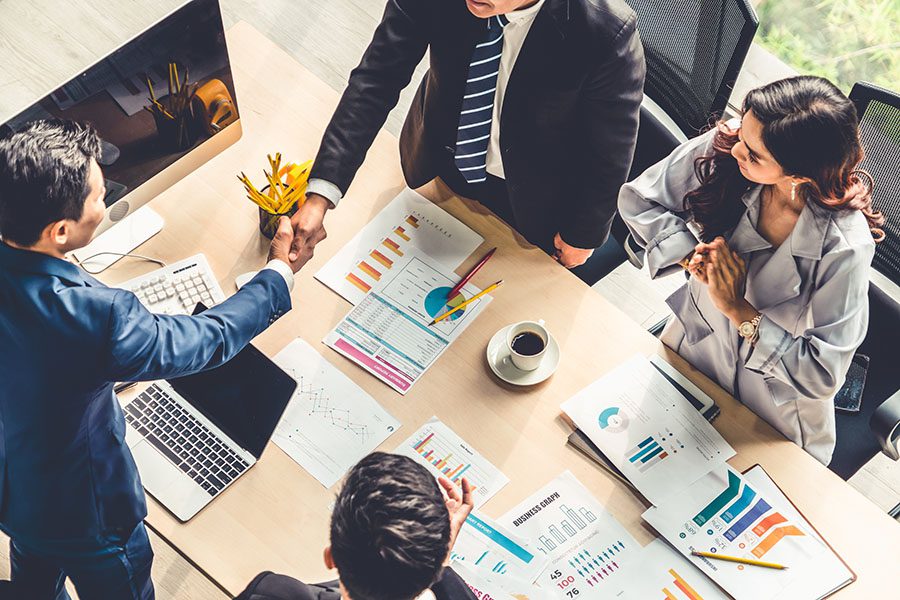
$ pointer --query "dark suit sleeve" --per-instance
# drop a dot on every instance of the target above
(609, 111)
(144, 346)
(386, 68)
(452, 587)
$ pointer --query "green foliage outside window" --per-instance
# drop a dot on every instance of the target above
(844, 40)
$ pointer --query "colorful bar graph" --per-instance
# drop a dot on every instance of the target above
(402, 233)
(392, 246)
(421, 443)
(642, 449)
(730, 493)
(369, 270)
(669, 595)
(749, 518)
(767, 523)
(412, 221)
(384, 260)
(365, 287)
(683, 585)
(740, 505)
(773, 538)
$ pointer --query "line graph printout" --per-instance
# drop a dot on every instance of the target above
(409, 222)
(586, 546)
(330, 422)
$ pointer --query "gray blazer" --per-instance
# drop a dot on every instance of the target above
(812, 291)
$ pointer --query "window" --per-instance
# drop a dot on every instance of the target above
(844, 40)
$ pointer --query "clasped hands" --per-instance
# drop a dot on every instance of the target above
(296, 238)
(725, 274)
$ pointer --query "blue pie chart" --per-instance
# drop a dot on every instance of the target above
(436, 302)
(613, 420)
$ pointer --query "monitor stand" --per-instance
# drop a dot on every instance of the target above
(118, 240)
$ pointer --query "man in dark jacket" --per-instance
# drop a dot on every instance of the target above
(529, 106)
(391, 533)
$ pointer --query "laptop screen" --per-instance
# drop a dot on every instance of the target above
(245, 397)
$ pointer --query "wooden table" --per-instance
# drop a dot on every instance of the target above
(276, 516)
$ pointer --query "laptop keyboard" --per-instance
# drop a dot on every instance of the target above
(184, 440)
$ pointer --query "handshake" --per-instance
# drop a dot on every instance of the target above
(296, 238)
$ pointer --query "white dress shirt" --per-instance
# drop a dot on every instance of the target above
(513, 37)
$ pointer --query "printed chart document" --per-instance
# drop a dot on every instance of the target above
(647, 429)
(330, 423)
(724, 513)
(444, 453)
(586, 546)
(388, 332)
(496, 556)
(658, 571)
(483, 588)
(409, 222)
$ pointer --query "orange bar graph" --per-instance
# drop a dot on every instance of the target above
(412, 221)
(443, 462)
(392, 246)
(365, 287)
(669, 595)
(402, 233)
(684, 586)
(369, 270)
(766, 524)
(773, 538)
(384, 260)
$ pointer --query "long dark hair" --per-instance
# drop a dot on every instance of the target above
(810, 127)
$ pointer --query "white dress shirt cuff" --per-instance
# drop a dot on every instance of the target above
(283, 269)
(326, 189)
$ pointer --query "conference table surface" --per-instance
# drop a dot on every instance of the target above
(276, 516)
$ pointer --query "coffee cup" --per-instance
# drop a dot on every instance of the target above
(527, 344)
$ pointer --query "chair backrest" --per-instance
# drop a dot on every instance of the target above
(694, 51)
(879, 130)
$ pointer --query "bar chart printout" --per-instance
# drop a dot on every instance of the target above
(446, 454)
(724, 513)
(586, 546)
(659, 572)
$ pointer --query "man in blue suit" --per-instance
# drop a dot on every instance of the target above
(70, 495)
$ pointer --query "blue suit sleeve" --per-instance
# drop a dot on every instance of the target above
(144, 346)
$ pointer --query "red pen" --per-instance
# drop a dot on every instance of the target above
(452, 294)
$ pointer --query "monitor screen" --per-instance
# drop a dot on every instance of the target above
(141, 138)
(245, 397)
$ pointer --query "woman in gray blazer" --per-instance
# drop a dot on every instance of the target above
(773, 223)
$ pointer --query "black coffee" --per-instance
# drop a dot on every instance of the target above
(528, 343)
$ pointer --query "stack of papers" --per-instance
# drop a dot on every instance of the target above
(648, 429)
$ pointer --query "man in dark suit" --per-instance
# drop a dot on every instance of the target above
(70, 496)
(391, 533)
(529, 106)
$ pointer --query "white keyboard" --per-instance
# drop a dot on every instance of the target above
(177, 288)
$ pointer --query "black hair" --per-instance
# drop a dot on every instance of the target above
(44, 172)
(811, 129)
(390, 529)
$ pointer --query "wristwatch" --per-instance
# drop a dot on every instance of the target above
(749, 330)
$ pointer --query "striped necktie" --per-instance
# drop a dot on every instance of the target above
(474, 132)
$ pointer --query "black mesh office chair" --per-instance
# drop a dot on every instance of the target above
(879, 112)
(694, 51)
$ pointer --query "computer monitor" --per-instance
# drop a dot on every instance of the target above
(144, 151)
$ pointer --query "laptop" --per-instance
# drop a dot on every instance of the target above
(193, 436)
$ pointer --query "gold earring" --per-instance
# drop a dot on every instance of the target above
(793, 191)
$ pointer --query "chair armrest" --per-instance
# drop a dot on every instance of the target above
(885, 424)
(635, 253)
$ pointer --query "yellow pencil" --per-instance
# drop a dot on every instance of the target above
(737, 559)
(486, 290)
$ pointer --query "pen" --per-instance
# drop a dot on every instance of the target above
(452, 294)
(737, 559)
(489, 288)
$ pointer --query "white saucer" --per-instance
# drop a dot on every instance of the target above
(501, 364)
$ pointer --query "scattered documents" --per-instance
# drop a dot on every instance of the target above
(408, 222)
(330, 423)
(586, 546)
(658, 571)
(445, 453)
(388, 332)
(725, 513)
(648, 429)
(496, 556)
